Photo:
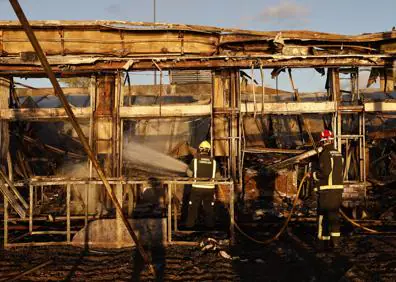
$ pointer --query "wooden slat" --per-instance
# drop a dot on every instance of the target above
(290, 108)
(190, 110)
(13, 188)
(17, 67)
(166, 111)
(42, 114)
(387, 106)
(12, 199)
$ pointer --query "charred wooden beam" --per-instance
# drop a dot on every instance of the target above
(255, 150)
(42, 114)
(65, 66)
(189, 110)
(295, 159)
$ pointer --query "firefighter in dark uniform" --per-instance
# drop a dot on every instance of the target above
(202, 166)
(330, 186)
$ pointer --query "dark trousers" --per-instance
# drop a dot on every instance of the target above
(329, 202)
(200, 196)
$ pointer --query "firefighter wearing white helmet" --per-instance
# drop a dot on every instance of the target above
(202, 166)
(329, 177)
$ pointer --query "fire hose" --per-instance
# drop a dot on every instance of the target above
(285, 224)
(277, 235)
(354, 223)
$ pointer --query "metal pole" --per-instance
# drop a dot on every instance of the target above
(155, 16)
(30, 208)
(232, 214)
(68, 213)
(5, 240)
(169, 190)
(154, 10)
(59, 92)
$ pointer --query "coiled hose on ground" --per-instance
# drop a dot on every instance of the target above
(277, 235)
(283, 228)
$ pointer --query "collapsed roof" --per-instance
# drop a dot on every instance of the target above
(78, 46)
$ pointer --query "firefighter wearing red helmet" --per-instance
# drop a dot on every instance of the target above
(329, 178)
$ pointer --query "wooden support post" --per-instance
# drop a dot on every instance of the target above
(68, 212)
(105, 126)
(35, 194)
(90, 187)
(232, 214)
(4, 140)
(234, 122)
(336, 96)
(225, 114)
(5, 240)
(169, 190)
(87, 188)
(220, 123)
(175, 209)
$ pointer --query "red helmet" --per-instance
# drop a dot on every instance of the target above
(326, 135)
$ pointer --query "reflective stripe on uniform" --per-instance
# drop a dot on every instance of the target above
(208, 186)
(335, 234)
(195, 168)
(330, 180)
(205, 186)
(330, 187)
(325, 238)
(320, 227)
(214, 169)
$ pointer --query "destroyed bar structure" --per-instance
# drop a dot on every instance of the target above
(207, 89)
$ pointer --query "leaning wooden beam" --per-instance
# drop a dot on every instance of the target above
(14, 190)
(4, 189)
(294, 160)
(37, 267)
(53, 149)
(58, 90)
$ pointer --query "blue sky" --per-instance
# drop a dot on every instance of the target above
(338, 16)
(341, 16)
